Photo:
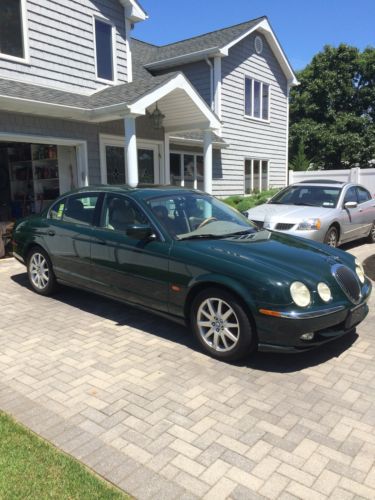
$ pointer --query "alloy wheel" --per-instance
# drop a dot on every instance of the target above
(332, 238)
(39, 271)
(218, 324)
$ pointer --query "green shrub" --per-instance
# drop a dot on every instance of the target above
(242, 203)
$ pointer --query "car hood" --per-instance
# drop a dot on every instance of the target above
(286, 213)
(280, 254)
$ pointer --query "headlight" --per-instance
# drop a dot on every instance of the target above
(324, 292)
(300, 294)
(360, 271)
(309, 224)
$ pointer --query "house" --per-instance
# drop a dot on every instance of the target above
(83, 102)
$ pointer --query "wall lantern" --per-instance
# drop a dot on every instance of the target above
(156, 117)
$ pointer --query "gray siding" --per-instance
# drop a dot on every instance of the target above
(14, 123)
(249, 138)
(198, 74)
(61, 44)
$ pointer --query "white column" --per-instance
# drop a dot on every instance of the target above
(207, 153)
(167, 164)
(131, 155)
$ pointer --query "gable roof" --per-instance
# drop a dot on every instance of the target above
(215, 43)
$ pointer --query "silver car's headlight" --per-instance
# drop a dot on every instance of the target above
(360, 271)
(309, 224)
(324, 292)
(300, 294)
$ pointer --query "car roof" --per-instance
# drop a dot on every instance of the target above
(143, 191)
(323, 182)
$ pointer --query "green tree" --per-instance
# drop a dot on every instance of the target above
(300, 160)
(333, 109)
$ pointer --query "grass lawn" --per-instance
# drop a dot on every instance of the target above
(32, 469)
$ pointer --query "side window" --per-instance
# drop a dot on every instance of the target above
(363, 195)
(104, 50)
(80, 209)
(351, 195)
(57, 210)
(119, 213)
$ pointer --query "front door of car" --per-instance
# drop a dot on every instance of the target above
(366, 206)
(68, 237)
(136, 270)
(350, 217)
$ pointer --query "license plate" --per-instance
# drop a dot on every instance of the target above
(356, 315)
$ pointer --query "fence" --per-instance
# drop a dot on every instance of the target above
(364, 176)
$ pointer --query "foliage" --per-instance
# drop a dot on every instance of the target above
(300, 161)
(33, 469)
(242, 203)
(332, 111)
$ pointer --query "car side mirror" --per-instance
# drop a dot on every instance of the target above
(141, 232)
(351, 204)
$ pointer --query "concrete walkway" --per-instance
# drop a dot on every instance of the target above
(130, 395)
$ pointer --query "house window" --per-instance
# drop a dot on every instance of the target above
(12, 41)
(104, 50)
(186, 170)
(257, 99)
(256, 175)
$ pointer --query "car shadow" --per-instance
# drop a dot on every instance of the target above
(123, 314)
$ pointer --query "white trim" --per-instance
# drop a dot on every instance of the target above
(25, 39)
(129, 55)
(194, 154)
(184, 59)
(198, 142)
(265, 28)
(217, 86)
(81, 150)
(262, 82)
(104, 20)
(251, 159)
(134, 11)
(287, 135)
(167, 163)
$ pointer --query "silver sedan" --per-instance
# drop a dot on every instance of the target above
(328, 211)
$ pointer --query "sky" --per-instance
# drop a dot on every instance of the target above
(303, 27)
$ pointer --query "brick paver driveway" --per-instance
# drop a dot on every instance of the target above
(129, 395)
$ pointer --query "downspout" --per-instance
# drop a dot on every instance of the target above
(212, 93)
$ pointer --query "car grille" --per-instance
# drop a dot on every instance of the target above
(348, 282)
(283, 226)
(258, 223)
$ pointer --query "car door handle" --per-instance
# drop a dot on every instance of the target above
(99, 242)
(50, 232)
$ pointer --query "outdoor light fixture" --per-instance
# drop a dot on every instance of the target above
(156, 117)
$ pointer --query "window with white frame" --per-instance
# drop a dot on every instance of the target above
(186, 170)
(104, 50)
(12, 36)
(257, 99)
(256, 175)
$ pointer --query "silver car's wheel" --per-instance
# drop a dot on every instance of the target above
(222, 324)
(218, 325)
(371, 236)
(39, 269)
(332, 237)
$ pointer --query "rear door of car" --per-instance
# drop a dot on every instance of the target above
(69, 234)
(133, 270)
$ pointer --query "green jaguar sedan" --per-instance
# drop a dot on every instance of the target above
(187, 255)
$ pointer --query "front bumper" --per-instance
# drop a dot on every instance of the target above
(284, 333)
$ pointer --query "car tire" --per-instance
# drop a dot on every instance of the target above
(40, 272)
(332, 237)
(222, 325)
(371, 236)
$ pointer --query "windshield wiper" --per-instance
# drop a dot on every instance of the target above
(201, 237)
(239, 233)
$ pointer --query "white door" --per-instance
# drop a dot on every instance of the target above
(112, 161)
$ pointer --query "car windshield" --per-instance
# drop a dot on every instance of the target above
(310, 196)
(198, 216)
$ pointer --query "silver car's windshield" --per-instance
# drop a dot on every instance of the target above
(196, 215)
(311, 196)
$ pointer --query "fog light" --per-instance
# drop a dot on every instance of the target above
(307, 336)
